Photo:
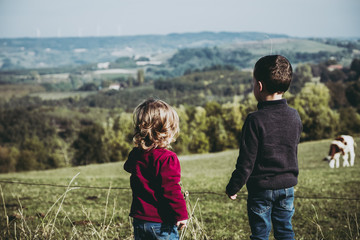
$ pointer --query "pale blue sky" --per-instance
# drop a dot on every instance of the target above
(298, 18)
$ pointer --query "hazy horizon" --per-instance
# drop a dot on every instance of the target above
(149, 34)
(81, 18)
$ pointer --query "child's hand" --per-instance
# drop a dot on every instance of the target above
(181, 224)
(232, 197)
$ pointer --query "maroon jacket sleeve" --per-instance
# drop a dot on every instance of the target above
(130, 163)
(170, 174)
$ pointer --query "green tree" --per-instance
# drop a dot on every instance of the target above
(199, 141)
(212, 108)
(89, 146)
(355, 69)
(140, 76)
(88, 87)
(25, 118)
(233, 121)
(124, 62)
(355, 65)
(119, 137)
(337, 92)
(183, 140)
(8, 159)
(337, 75)
(350, 121)
(302, 75)
(353, 94)
(319, 120)
(27, 161)
(41, 153)
(216, 134)
(251, 104)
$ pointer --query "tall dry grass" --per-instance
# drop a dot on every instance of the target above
(195, 228)
(52, 227)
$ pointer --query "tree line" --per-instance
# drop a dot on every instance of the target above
(212, 105)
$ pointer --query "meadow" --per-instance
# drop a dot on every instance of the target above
(92, 202)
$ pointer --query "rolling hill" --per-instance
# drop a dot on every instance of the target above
(21, 53)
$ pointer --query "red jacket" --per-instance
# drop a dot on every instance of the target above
(154, 180)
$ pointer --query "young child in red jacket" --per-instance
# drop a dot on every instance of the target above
(158, 207)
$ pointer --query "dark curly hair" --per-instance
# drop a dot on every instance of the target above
(274, 72)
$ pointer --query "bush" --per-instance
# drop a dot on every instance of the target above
(8, 159)
(89, 146)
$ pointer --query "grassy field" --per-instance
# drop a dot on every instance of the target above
(59, 204)
(8, 91)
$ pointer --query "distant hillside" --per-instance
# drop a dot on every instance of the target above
(276, 45)
(172, 54)
(55, 52)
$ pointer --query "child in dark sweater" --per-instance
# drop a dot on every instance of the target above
(267, 162)
(158, 207)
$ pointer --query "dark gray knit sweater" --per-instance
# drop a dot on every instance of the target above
(268, 149)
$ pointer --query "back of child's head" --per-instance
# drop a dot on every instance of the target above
(156, 124)
(274, 72)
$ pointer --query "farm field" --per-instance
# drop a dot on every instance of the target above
(8, 91)
(92, 202)
(62, 95)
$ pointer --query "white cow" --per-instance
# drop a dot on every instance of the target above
(343, 145)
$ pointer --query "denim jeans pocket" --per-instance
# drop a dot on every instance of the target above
(163, 232)
(288, 199)
(259, 202)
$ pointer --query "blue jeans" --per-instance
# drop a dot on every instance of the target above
(145, 230)
(271, 207)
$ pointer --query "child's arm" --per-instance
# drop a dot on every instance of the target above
(130, 163)
(172, 197)
(246, 160)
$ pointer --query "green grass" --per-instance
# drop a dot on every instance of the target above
(8, 91)
(42, 211)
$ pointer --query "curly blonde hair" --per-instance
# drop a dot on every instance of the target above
(156, 124)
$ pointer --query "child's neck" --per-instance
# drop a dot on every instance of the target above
(273, 97)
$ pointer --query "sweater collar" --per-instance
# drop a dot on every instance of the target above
(261, 105)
